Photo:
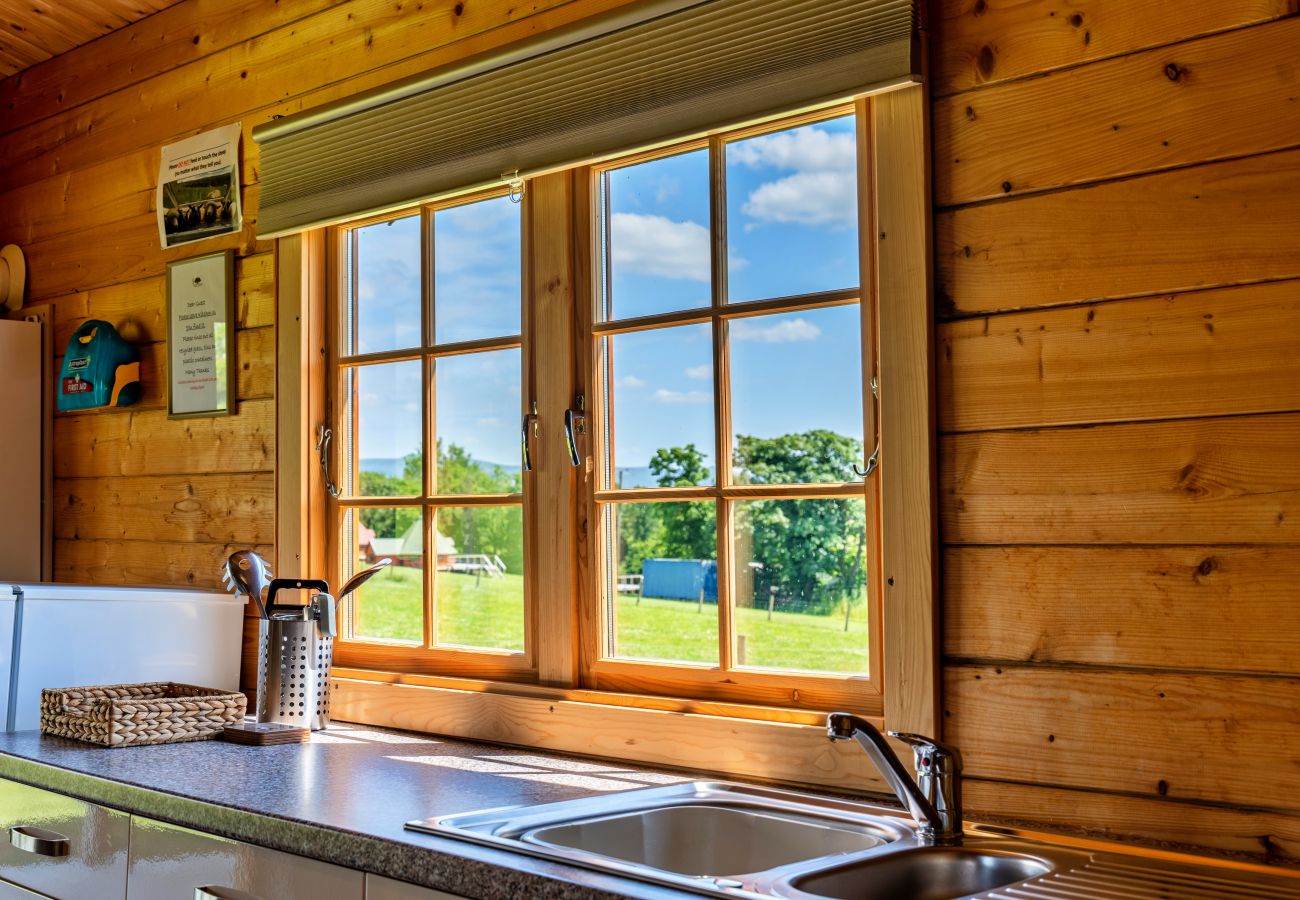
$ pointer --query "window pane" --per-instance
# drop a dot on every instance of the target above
(656, 246)
(792, 211)
(796, 396)
(664, 586)
(383, 302)
(384, 402)
(476, 415)
(662, 410)
(476, 271)
(480, 587)
(800, 585)
(390, 606)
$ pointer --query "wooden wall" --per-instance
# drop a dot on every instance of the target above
(1117, 199)
(1117, 191)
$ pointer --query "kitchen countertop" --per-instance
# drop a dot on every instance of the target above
(344, 797)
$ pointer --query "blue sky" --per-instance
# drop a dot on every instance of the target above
(791, 220)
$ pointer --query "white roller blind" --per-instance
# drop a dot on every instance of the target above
(659, 71)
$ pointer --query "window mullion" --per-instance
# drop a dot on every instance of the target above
(721, 397)
(549, 337)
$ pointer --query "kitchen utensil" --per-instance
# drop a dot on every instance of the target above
(295, 650)
(363, 576)
(247, 573)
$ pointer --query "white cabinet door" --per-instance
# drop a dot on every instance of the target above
(62, 847)
(378, 888)
(168, 862)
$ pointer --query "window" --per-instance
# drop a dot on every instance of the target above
(708, 312)
(429, 321)
(728, 349)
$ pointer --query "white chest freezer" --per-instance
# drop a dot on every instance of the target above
(75, 635)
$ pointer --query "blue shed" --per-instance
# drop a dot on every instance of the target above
(680, 579)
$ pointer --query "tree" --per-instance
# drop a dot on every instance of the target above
(492, 530)
(812, 551)
(688, 528)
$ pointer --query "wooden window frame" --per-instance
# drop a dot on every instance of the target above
(725, 680)
(786, 744)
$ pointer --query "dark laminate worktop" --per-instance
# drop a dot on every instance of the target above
(343, 798)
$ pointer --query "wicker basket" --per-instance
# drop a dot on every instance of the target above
(122, 715)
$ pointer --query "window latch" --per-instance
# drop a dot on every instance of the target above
(323, 436)
(575, 423)
(526, 438)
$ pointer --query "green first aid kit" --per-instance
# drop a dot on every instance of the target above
(99, 369)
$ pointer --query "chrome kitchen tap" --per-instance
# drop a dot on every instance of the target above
(934, 798)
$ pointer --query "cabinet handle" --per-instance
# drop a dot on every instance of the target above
(213, 892)
(31, 839)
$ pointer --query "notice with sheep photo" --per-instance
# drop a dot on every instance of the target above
(198, 187)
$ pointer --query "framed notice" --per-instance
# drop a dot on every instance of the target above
(201, 336)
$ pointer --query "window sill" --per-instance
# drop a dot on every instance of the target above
(778, 745)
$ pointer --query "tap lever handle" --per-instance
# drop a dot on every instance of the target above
(929, 752)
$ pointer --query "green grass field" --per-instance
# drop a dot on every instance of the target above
(488, 612)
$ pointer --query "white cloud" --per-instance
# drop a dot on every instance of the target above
(631, 381)
(787, 331)
(822, 191)
(806, 198)
(807, 149)
(700, 373)
(678, 397)
(655, 245)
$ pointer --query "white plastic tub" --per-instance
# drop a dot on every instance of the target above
(74, 636)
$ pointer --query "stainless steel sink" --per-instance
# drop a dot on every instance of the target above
(707, 836)
(923, 873)
(738, 841)
(708, 840)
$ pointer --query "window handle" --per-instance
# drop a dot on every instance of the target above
(575, 423)
(323, 436)
(873, 463)
(526, 438)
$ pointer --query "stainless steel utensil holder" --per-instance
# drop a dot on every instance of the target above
(293, 673)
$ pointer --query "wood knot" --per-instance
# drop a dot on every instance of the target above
(458, 10)
(985, 62)
(1208, 565)
(1174, 72)
(1076, 20)
(1162, 787)
(1006, 187)
(980, 8)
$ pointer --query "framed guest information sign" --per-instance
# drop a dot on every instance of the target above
(201, 336)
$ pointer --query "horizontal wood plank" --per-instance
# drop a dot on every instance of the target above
(146, 442)
(1224, 738)
(986, 41)
(1215, 98)
(1264, 836)
(176, 36)
(1197, 481)
(1220, 352)
(146, 563)
(125, 251)
(1233, 609)
(192, 508)
(1217, 224)
(257, 74)
(771, 751)
(138, 309)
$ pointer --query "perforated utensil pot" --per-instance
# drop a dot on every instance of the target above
(293, 669)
